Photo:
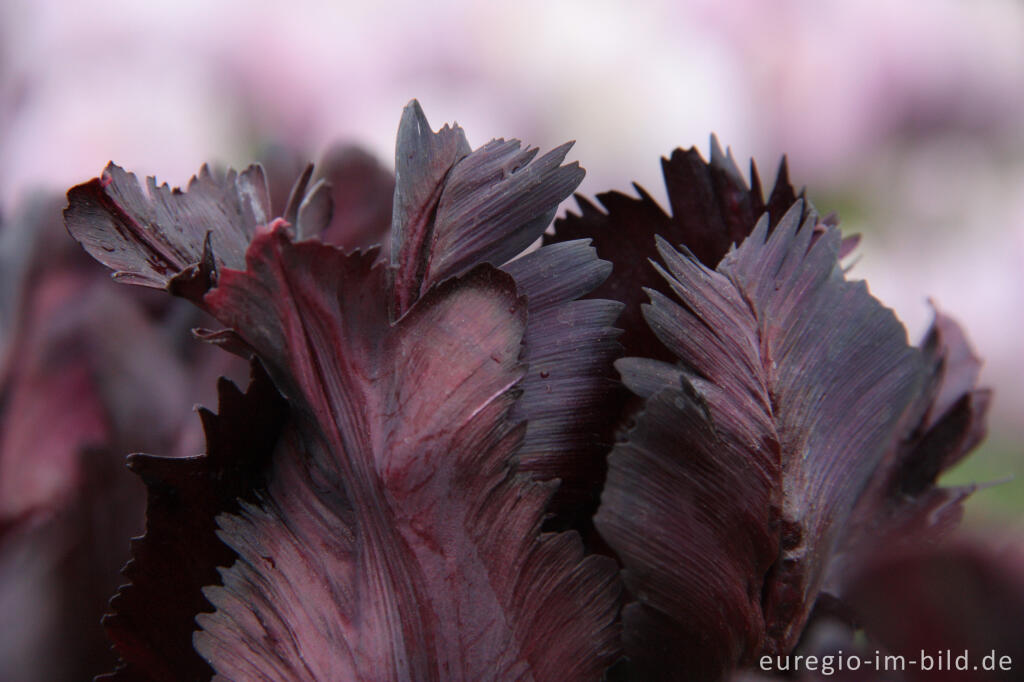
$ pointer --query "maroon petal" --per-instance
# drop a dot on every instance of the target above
(362, 193)
(569, 347)
(149, 236)
(348, 205)
(955, 377)
(95, 372)
(489, 205)
(393, 541)
(152, 618)
(456, 208)
(966, 597)
(712, 208)
(946, 421)
(60, 484)
(423, 160)
(392, 536)
(309, 209)
(729, 497)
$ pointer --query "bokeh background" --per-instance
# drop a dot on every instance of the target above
(906, 117)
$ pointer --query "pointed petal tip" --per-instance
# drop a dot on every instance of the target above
(791, 219)
(298, 193)
(661, 244)
(413, 121)
(717, 155)
(413, 108)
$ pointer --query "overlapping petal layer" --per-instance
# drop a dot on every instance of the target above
(793, 392)
(712, 208)
(389, 534)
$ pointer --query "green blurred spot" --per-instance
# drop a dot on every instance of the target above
(998, 504)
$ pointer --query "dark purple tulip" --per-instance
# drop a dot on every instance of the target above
(387, 533)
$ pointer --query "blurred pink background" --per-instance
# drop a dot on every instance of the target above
(905, 117)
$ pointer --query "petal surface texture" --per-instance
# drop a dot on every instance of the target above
(792, 386)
